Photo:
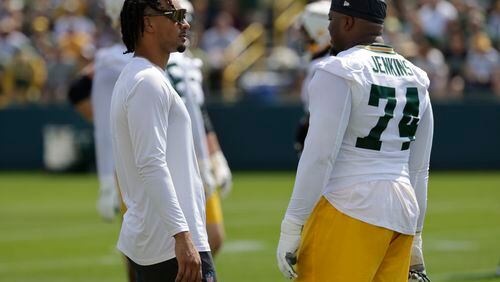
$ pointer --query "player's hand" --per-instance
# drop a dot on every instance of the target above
(417, 265)
(287, 248)
(222, 173)
(108, 201)
(206, 176)
(418, 276)
(188, 259)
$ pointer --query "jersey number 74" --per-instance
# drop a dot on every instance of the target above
(407, 125)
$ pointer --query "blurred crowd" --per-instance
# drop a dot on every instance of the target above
(456, 42)
(44, 44)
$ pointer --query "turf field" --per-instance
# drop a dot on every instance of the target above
(50, 231)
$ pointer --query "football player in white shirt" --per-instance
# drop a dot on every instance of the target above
(314, 24)
(360, 193)
(97, 83)
(163, 232)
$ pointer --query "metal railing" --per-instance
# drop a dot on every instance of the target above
(240, 55)
(286, 12)
(250, 46)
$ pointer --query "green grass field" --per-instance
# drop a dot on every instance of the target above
(50, 231)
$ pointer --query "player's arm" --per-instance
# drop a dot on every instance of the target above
(330, 108)
(147, 123)
(79, 92)
(222, 172)
(420, 152)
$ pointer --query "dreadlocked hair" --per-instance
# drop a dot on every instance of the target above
(132, 20)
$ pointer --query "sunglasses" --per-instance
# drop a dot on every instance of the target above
(178, 16)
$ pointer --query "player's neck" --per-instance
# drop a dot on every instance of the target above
(156, 57)
(367, 40)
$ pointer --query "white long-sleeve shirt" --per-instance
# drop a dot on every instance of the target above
(156, 165)
(365, 105)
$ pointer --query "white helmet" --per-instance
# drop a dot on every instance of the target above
(315, 22)
(113, 9)
(185, 4)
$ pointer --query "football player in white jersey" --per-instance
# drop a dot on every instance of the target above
(184, 71)
(108, 64)
(90, 93)
(358, 205)
(314, 24)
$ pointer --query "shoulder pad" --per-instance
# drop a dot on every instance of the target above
(345, 67)
(175, 57)
(422, 76)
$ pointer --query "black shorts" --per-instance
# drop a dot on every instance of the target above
(167, 270)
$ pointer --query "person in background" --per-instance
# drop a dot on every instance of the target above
(214, 41)
(184, 72)
(482, 66)
(314, 24)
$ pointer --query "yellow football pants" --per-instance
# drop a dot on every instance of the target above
(339, 248)
(214, 209)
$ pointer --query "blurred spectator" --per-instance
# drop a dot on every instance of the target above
(475, 21)
(395, 36)
(77, 46)
(60, 71)
(431, 60)
(482, 66)
(214, 41)
(200, 18)
(434, 16)
(218, 37)
(232, 7)
(460, 22)
(493, 24)
(11, 38)
(75, 33)
(24, 76)
(455, 53)
(73, 21)
(23, 71)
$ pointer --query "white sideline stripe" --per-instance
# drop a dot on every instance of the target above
(242, 246)
(452, 245)
(60, 263)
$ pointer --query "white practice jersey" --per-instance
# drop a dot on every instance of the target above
(108, 64)
(369, 141)
(156, 165)
(184, 72)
